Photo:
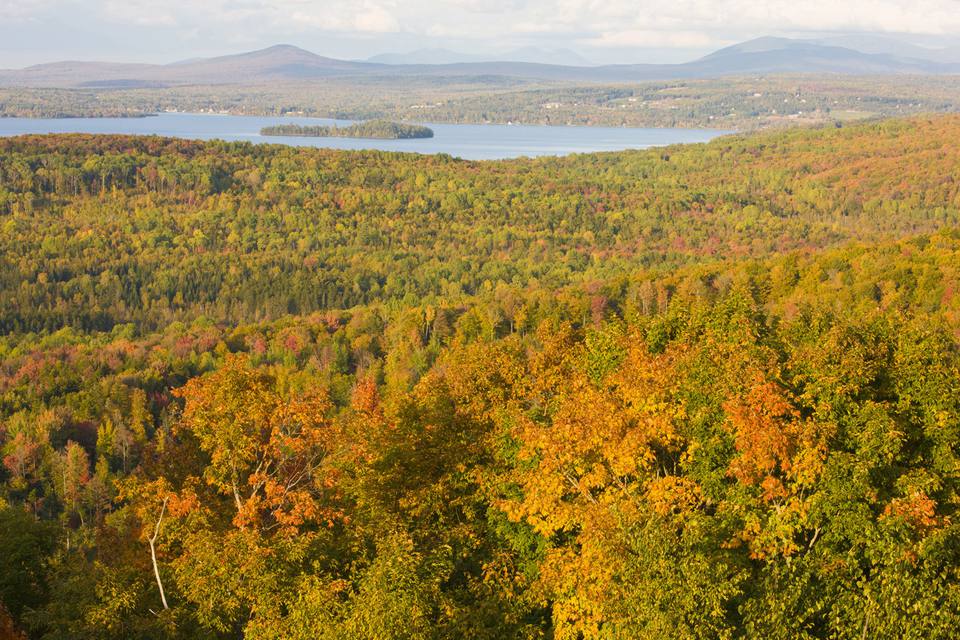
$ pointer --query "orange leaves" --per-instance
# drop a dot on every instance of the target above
(182, 503)
(781, 454)
(774, 444)
(365, 398)
(765, 427)
(918, 510)
(268, 448)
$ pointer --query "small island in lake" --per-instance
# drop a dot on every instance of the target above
(380, 129)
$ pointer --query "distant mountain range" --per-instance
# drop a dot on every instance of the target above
(285, 63)
(867, 43)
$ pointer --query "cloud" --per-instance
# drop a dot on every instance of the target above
(648, 38)
(477, 24)
(18, 10)
(894, 16)
(609, 20)
(141, 13)
(486, 6)
(376, 20)
(335, 15)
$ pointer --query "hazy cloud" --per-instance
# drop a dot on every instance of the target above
(647, 38)
(363, 27)
(17, 10)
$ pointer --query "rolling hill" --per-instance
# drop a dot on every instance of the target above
(280, 62)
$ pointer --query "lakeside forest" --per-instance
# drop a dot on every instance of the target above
(742, 104)
(705, 391)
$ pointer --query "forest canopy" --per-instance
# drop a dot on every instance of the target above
(707, 391)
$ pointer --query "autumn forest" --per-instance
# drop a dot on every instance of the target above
(694, 392)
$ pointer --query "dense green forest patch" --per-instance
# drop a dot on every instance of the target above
(379, 129)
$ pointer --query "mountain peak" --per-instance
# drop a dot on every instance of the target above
(280, 50)
(759, 45)
(287, 48)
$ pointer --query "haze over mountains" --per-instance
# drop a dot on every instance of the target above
(564, 57)
(285, 63)
(869, 43)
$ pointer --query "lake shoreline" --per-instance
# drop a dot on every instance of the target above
(485, 123)
(470, 142)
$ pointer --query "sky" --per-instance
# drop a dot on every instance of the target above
(603, 31)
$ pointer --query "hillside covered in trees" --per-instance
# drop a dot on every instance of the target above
(706, 391)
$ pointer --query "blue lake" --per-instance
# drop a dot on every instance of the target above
(474, 142)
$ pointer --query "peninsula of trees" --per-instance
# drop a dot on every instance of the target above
(379, 129)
